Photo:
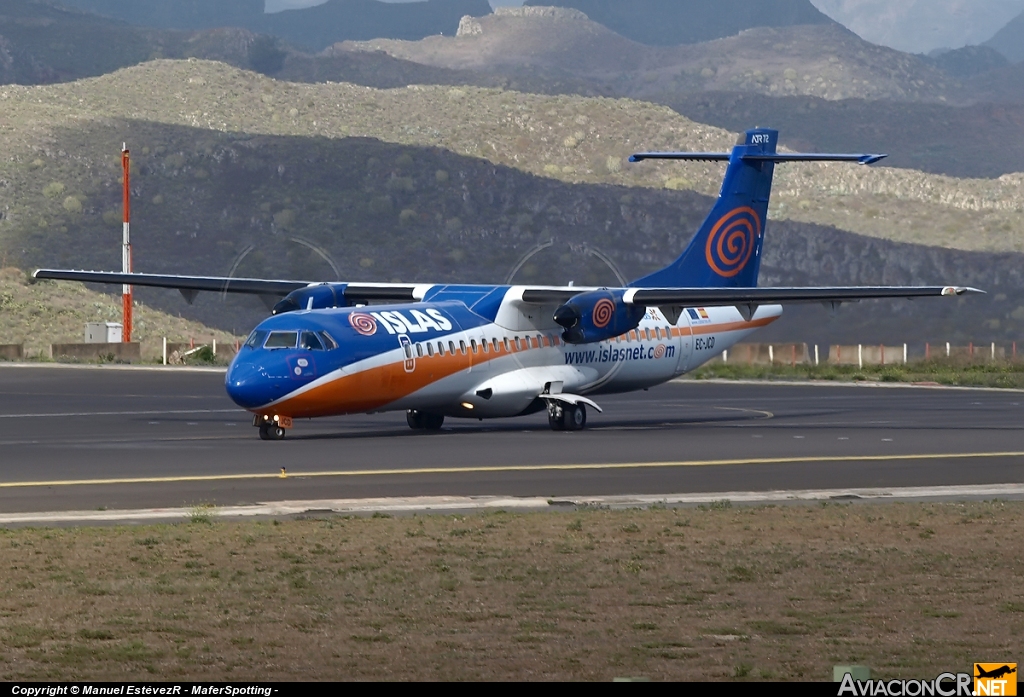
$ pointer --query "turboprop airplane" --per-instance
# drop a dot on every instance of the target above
(489, 351)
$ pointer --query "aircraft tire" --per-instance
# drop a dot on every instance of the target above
(271, 432)
(574, 417)
(433, 422)
(416, 419)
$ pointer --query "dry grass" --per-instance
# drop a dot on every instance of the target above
(47, 312)
(719, 592)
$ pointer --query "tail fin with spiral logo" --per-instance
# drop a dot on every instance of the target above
(726, 251)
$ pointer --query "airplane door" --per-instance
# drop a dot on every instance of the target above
(685, 342)
(410, 356)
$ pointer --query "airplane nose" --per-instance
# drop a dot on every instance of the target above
(247, 385)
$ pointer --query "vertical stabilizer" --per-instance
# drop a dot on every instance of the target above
(726, 251)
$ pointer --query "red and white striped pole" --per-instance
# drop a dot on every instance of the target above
(126, 250)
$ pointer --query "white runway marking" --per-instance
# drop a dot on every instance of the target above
(120, 413)
(465, 503)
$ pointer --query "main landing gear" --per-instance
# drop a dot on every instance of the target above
(424, 422)
(563, 416)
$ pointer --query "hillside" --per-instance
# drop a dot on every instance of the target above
(237, 171)
(38, 314)
(971, 141)
(825, 61)
(674, 22)
(176, 14)
(1010, 39)
(569, 138)
(315, 28)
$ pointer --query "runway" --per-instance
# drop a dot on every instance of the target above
(92, 438)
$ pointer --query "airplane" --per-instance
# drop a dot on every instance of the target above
(994, 673)
(493, 351)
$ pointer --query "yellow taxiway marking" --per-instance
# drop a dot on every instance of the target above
(513, 468)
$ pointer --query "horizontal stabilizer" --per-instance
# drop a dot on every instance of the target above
(698, 156)
(864, 159)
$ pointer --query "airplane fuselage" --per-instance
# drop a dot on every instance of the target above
(447, 359)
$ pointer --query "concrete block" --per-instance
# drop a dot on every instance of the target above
(12, 352)
(120, 352)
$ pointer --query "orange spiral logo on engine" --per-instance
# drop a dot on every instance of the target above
(732, 241)
(362, 323)
(659, 351)
(604, 309)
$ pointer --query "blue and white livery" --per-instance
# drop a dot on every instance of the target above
(482, 351)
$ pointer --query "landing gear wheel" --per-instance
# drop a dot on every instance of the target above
(271, 432)
(415, 419)
(574, 417)
(424, 422)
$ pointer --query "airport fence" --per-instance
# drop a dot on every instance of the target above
(866, 354)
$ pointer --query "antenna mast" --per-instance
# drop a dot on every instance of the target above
(126, 250)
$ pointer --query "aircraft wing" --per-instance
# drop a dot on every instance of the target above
(781, 296)
(266, 288)
(712, 297)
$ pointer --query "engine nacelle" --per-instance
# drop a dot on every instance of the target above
(597, 315)
(317, 297)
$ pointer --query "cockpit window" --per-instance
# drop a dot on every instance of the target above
(255, 339)
(281, 340)
(329, 343)
(311, 342)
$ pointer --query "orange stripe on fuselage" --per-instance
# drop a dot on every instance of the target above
(373, 388)
(732, 326)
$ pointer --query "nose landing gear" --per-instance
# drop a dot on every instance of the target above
(272, 428)
(271, 432)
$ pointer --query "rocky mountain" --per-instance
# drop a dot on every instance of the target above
(971, 141)
(674, 22)
(316, 28)
(921, 27)
(1010, 39)
(822, 60)
(237, 171)
(969, 61)
(176, 14)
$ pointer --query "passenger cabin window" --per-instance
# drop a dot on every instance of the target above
(451, 347)
(419, 350)
(279, 340)
(495, 345)
(311, 342)
(484, 345)
(472, 343)
(440, 348)
(462, 347)
(507, 344)
(255, 339)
